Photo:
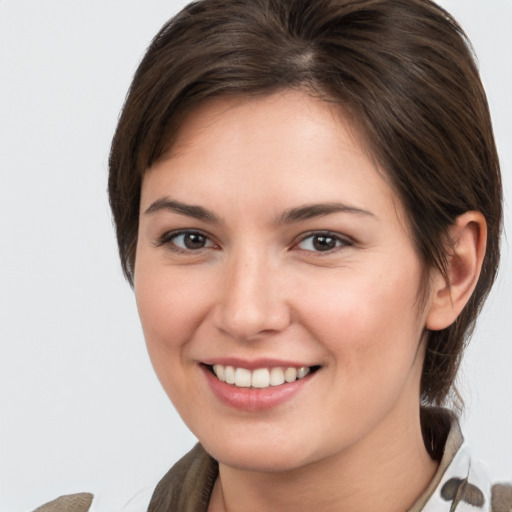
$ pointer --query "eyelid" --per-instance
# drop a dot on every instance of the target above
(345, 241)
(166, 239)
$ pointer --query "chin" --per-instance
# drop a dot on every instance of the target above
(258, 455)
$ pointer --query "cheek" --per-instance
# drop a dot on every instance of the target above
(366, 319)
(171, 305)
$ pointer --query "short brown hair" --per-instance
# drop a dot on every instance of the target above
(403, 68)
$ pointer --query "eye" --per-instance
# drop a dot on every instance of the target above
(186, 241)
(322, 242)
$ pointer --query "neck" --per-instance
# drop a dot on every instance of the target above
(374, 474)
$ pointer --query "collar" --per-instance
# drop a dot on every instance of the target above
(460, 484)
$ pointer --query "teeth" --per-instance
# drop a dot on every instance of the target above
(302, 372)
(276, 376)
(242, 378)
(218, 369)
(290, 374)
(229, 374)
(260, 378)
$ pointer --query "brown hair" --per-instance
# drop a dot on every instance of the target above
(403, 68)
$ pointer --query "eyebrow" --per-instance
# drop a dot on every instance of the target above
(289, 216)
(312, 211)
(170, 205)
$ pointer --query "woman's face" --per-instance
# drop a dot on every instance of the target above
(270, 246)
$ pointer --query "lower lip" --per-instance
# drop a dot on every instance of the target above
(253, 399)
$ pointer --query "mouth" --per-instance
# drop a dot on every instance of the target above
(260, 378)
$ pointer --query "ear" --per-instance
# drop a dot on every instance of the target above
(468, 237)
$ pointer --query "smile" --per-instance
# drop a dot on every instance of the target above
(257, 386)
(259, 378)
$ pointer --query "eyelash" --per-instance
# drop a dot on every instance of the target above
(169, 239)
(340, 241)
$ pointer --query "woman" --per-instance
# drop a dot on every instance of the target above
(308, 204)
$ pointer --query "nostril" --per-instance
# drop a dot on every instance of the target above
(251, 321)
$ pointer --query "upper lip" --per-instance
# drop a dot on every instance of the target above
(254, 364)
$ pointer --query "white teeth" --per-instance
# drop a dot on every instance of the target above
(290, 374)
(242, 378)
(302, 372)
(261, 378)
(229, 374)
(219, 371)
(276, 376)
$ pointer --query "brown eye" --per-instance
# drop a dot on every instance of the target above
(194, 241)
(189, 241)
(322, 242)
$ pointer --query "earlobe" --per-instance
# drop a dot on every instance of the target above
(468, 237)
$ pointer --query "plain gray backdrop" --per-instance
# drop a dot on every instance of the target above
(80, 407)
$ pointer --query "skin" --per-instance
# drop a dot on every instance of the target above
(260, 288)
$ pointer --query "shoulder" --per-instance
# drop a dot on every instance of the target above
(80, 502)
(501, 498)
(186, 487)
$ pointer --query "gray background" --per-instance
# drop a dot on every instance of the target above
(80, 407)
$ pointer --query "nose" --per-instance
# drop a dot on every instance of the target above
(252, 300)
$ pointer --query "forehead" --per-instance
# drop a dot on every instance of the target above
(264, 148)
(290, 114)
